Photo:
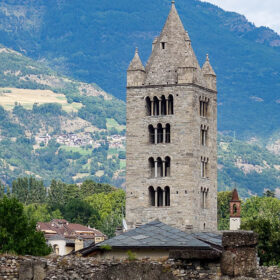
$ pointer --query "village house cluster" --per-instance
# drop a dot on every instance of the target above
(81, 140)
(65, 237)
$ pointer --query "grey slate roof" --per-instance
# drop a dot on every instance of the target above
(156, 234)
(209, 237)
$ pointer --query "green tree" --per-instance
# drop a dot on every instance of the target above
(29, 190)
(269, 193)
(262, 215)
(268, 231)
(56, 198)
(89, 187)
(111, 208)
(223, 209)
(41, 212)
(79, 211)
(266, 207)
(2, 190)
(17, 233)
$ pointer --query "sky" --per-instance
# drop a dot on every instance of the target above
(260, 12)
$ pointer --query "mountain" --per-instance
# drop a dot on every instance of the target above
(94, 41)
(53, 127)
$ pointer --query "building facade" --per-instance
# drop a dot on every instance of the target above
(171, 172)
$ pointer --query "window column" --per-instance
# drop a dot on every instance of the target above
(156, 135)
(156, 166)
(164, 168)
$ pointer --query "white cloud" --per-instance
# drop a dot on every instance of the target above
(260, 12)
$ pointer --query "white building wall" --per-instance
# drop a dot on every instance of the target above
(61, 245)
(234, 223)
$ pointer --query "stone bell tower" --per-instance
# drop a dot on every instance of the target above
(235, 211)
(171, 172)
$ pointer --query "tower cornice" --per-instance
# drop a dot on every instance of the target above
(173, 85)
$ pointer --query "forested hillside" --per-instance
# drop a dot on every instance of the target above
(55, 127)
(94, 41)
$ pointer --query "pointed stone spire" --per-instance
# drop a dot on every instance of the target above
(209, 75)
(136, 63)
(170, 50)
(207, 68)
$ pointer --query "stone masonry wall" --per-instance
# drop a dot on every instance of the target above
(62, 268)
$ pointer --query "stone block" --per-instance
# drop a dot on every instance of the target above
(239, 238)
(26, 270)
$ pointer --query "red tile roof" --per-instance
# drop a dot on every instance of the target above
(235, 195)
(64, 228)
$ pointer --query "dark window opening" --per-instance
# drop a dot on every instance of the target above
(151, 196)
(170, 105)
(167, 196)
(152, 167)
(160, 197)
(159, 133)
(156, 106)
(203, 108)
(163, 105)
(167, 133)
(151, 134)
(148, 106)
(167, 166)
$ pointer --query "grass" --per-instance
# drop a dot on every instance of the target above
(80, 175)
(122, 164)
(27, 97)
(79, 150)
(99, 173)
(111, 123)
(113, 152)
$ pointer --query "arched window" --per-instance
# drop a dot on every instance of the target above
(148, 106)
(56, 249)
(167, 196)
(156, 106)
(159, 133)
(151, 196)
(159, 197)
(234, 209)
(170, 105)
(151, 134)
(152, 167)
(167, 133)
(167, 166)
(159, 167)
(163, 105)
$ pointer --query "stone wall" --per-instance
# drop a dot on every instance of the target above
(62, 268)
(239, 257)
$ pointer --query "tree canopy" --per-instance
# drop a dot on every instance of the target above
(17, 233)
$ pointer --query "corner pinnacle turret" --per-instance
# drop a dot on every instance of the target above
(136, 71)
(209, 75)
(136, 63)
(207, 68)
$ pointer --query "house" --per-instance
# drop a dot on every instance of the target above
(65, 237)
(156, 240)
